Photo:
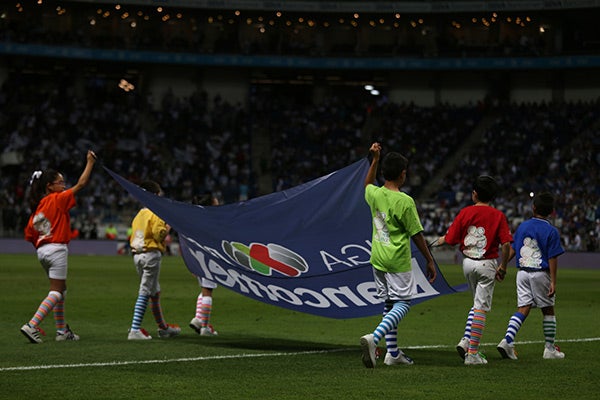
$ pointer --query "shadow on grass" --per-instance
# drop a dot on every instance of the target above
(262, 343)
(431, 357)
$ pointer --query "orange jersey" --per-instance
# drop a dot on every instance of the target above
(51, 222)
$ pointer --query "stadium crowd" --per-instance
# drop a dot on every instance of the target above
(192, 149)
(212, 31)
(535, 147)
(197, 144)
(200, 144)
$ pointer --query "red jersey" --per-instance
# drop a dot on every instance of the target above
(51, 222)
(480, 230)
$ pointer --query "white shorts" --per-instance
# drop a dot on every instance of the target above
(206, 283)
(394, 286)
(532, 289)
(53, 257)
(148, 268)
(481, 275)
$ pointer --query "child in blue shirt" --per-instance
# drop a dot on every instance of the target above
(537, 247)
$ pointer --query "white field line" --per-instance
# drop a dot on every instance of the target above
(239, 356)
(442, 346)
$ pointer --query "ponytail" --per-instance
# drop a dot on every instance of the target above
(37, 186)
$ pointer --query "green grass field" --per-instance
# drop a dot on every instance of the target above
(272, 353)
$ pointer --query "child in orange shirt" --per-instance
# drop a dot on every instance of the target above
(49, 230)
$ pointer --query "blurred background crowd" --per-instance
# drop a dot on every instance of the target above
(276, 136)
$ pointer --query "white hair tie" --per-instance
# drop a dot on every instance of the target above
(35, 175)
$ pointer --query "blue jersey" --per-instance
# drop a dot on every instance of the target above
(535, 242)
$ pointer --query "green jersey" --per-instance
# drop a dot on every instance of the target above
(395, 221)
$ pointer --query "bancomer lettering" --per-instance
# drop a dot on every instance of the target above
(359, 294)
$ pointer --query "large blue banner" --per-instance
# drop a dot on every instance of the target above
(306, 248)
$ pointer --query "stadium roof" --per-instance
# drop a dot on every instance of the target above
(365, 6)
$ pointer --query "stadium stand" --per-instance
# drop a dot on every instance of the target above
(59, 96)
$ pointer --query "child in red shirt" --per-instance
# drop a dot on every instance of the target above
(480, 230)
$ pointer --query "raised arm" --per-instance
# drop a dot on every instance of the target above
(85, 175)
(375, 151)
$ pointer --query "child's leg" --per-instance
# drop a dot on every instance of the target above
(391, 320)
(157, 311)
(205, 310)
(45, 307)
(469, 323)
(469, 269)
(199, 307)
(463, 344)
(391, 338)
(59, 313)
(525, 295)
(550, 349)
(164, 330)
(148, 268)
(477, 328)
(139, 310)
(515, 323)
(549, 324)
(481, 279)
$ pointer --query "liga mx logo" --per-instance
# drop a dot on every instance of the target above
(266, 259)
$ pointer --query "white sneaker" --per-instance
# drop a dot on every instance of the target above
(196, 325)
(138, 334)
(475, 359)
(67, 334)
(32, 333)
(553, 353)
(369, 357)
(463, 347)
(506, 350)
(172, 330)
(208, 330)
(401, 359)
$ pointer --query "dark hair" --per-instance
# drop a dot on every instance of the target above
(392, 166)
(150, 186)
(38, 185)
(544, 203)
(486, 188)
(204, 199)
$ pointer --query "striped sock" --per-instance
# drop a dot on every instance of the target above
(59, 315)
(157, 311)
(549, 324)
(139, 310)
(477, 328)
(199, 306)
(467, 333)
(391, 338)
(514, 324)
(45, 307)
(205, 310)
(391, 320)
